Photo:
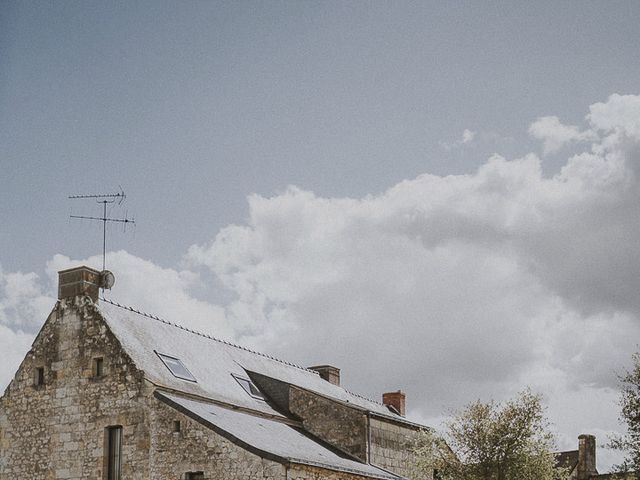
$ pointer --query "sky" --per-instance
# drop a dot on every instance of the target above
(441, 197)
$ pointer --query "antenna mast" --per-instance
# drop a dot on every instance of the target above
(105, 199)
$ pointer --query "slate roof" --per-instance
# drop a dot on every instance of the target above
(568, 459)
(270, 438)
(214, 363)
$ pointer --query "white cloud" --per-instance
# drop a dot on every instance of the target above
(24, 306)
(468, 135)
(14, 344)
(460, 286)
(162, 291)
(555, 135)
(24, 302)
(452, 287)
(619, 112)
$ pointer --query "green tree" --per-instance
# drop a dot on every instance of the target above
(492, 441)
(629, 443)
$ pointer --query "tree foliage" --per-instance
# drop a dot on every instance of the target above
(629, 443)
(492, 441)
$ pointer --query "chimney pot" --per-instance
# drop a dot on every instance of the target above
(586, 457)
(329, 373)
(396, 400)
(79, 281)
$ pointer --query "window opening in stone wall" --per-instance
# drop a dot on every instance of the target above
(114, 453)
(176, 367)
(39, 377)
(176, 426)
(98, 367)
(249, 387)
(194, 476)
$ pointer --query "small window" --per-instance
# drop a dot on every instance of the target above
(194, 476)
(176, 426)
(176, 367)
(39, 377)
(113, 450)
(98, 367)
(249, 387)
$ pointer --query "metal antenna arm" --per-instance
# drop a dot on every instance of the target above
(108, 195)
(123, 220)
(104, 199)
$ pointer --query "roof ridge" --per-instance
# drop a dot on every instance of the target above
(210, 337)
(363, 397)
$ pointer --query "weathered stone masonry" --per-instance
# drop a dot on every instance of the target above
(379, 441)
(196, 448)
(78, 380)
(56, 430)
(339, 425)
(392, 446)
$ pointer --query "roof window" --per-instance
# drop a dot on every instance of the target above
(176, 367)
(249, 387)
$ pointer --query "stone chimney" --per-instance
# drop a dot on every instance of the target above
(586, 457)
(79, 281)
(396, 400)
(329, 373)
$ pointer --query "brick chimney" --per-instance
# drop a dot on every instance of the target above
(396, 400)
(329, 373)
(586, 457)
(78, 281)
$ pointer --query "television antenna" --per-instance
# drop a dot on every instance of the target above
(104, 199)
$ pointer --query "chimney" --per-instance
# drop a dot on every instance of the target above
(329, 373)
(79, 281)
(395, 400)
(586, 457)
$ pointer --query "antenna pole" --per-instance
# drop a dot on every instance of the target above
(104, 233)
(104, 199)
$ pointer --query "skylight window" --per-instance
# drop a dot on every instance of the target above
(249, 387)
(176, 367)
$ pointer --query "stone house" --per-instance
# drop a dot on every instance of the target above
(109, 393)
(580, 464)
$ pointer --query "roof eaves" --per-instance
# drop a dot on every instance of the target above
(284, 362)
(399, 419)
(263, 453)
(233, 439)
(231, 406)
(389, 476)
(352, 405)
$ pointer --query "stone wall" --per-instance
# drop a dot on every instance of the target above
(388, 445)
(196, 448)
(340, 425)
(56, 430)
(392, 447)
(303, 472)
